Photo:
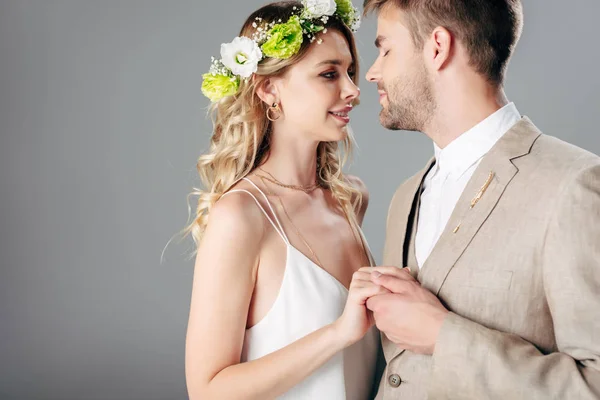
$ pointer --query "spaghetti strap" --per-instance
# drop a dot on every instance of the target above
(362, 239)
(270, 207)
(366, 247)
(261, 209)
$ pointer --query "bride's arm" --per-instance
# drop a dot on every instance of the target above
(222, 289)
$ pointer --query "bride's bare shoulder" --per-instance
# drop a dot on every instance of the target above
(237, 211)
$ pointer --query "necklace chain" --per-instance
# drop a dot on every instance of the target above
(306, 189)
(317, 261)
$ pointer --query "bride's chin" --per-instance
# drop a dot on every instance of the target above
(341, 134)
(333, 134)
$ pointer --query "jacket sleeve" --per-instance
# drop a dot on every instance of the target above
(472, 361)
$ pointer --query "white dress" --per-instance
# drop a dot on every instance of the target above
(310, 298)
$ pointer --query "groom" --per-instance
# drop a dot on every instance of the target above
(500, 232)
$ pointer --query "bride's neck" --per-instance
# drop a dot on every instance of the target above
(292, 162)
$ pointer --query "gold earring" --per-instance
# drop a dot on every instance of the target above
(274, 108)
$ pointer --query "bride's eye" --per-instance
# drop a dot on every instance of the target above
(329, 75)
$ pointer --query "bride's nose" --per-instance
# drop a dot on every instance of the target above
(350, 91)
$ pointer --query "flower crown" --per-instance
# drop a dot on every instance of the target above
(240, 58)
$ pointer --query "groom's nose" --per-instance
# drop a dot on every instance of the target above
(373, 74)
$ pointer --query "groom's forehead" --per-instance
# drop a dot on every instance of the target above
(391, 24)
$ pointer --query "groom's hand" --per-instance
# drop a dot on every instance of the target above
(410, 316)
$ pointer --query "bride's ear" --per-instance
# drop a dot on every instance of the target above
(267, 91)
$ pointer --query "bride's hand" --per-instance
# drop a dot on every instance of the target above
(356, 319)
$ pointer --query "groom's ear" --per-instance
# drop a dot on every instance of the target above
(442, 42)
(267, 91)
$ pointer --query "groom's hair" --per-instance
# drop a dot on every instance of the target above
(489, 29)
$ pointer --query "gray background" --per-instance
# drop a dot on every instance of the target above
(101, 122)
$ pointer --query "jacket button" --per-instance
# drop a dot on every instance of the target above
(394, 380)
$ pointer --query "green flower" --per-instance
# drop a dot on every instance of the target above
(217, 86)
(284, 39)
(345, 10)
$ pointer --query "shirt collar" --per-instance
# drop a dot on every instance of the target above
(468, 148)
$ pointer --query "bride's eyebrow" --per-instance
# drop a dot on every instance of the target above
(333, 62)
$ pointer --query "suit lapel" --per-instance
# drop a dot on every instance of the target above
(399, 235)
(399, 218)
(515, 143)
(466, 220)
(409, 250)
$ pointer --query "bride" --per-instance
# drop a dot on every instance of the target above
(280, 283)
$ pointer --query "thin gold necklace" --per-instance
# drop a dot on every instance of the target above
(318, 262)
(306, 189)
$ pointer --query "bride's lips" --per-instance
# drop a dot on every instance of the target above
(342, 114)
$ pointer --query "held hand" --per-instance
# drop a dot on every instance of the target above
(410, 316)
(356, 319)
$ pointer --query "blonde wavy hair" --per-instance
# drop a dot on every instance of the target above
(241, 134)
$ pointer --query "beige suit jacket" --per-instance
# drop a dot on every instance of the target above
(520, 273)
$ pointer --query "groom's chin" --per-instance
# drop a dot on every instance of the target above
(387, 122)
(398, 123)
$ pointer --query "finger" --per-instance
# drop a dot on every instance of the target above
(400, 273)
(377, 303)
(362, 294)
(374, 302)
(359, 283)
(364, 275)
(393, 283)
(365, 269)
(382, 268)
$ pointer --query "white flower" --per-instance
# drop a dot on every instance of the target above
(319, 8)
(357, 21)
(241, 56)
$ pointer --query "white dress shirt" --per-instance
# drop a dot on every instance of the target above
(453, 169)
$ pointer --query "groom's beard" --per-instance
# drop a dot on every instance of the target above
(410, 103)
